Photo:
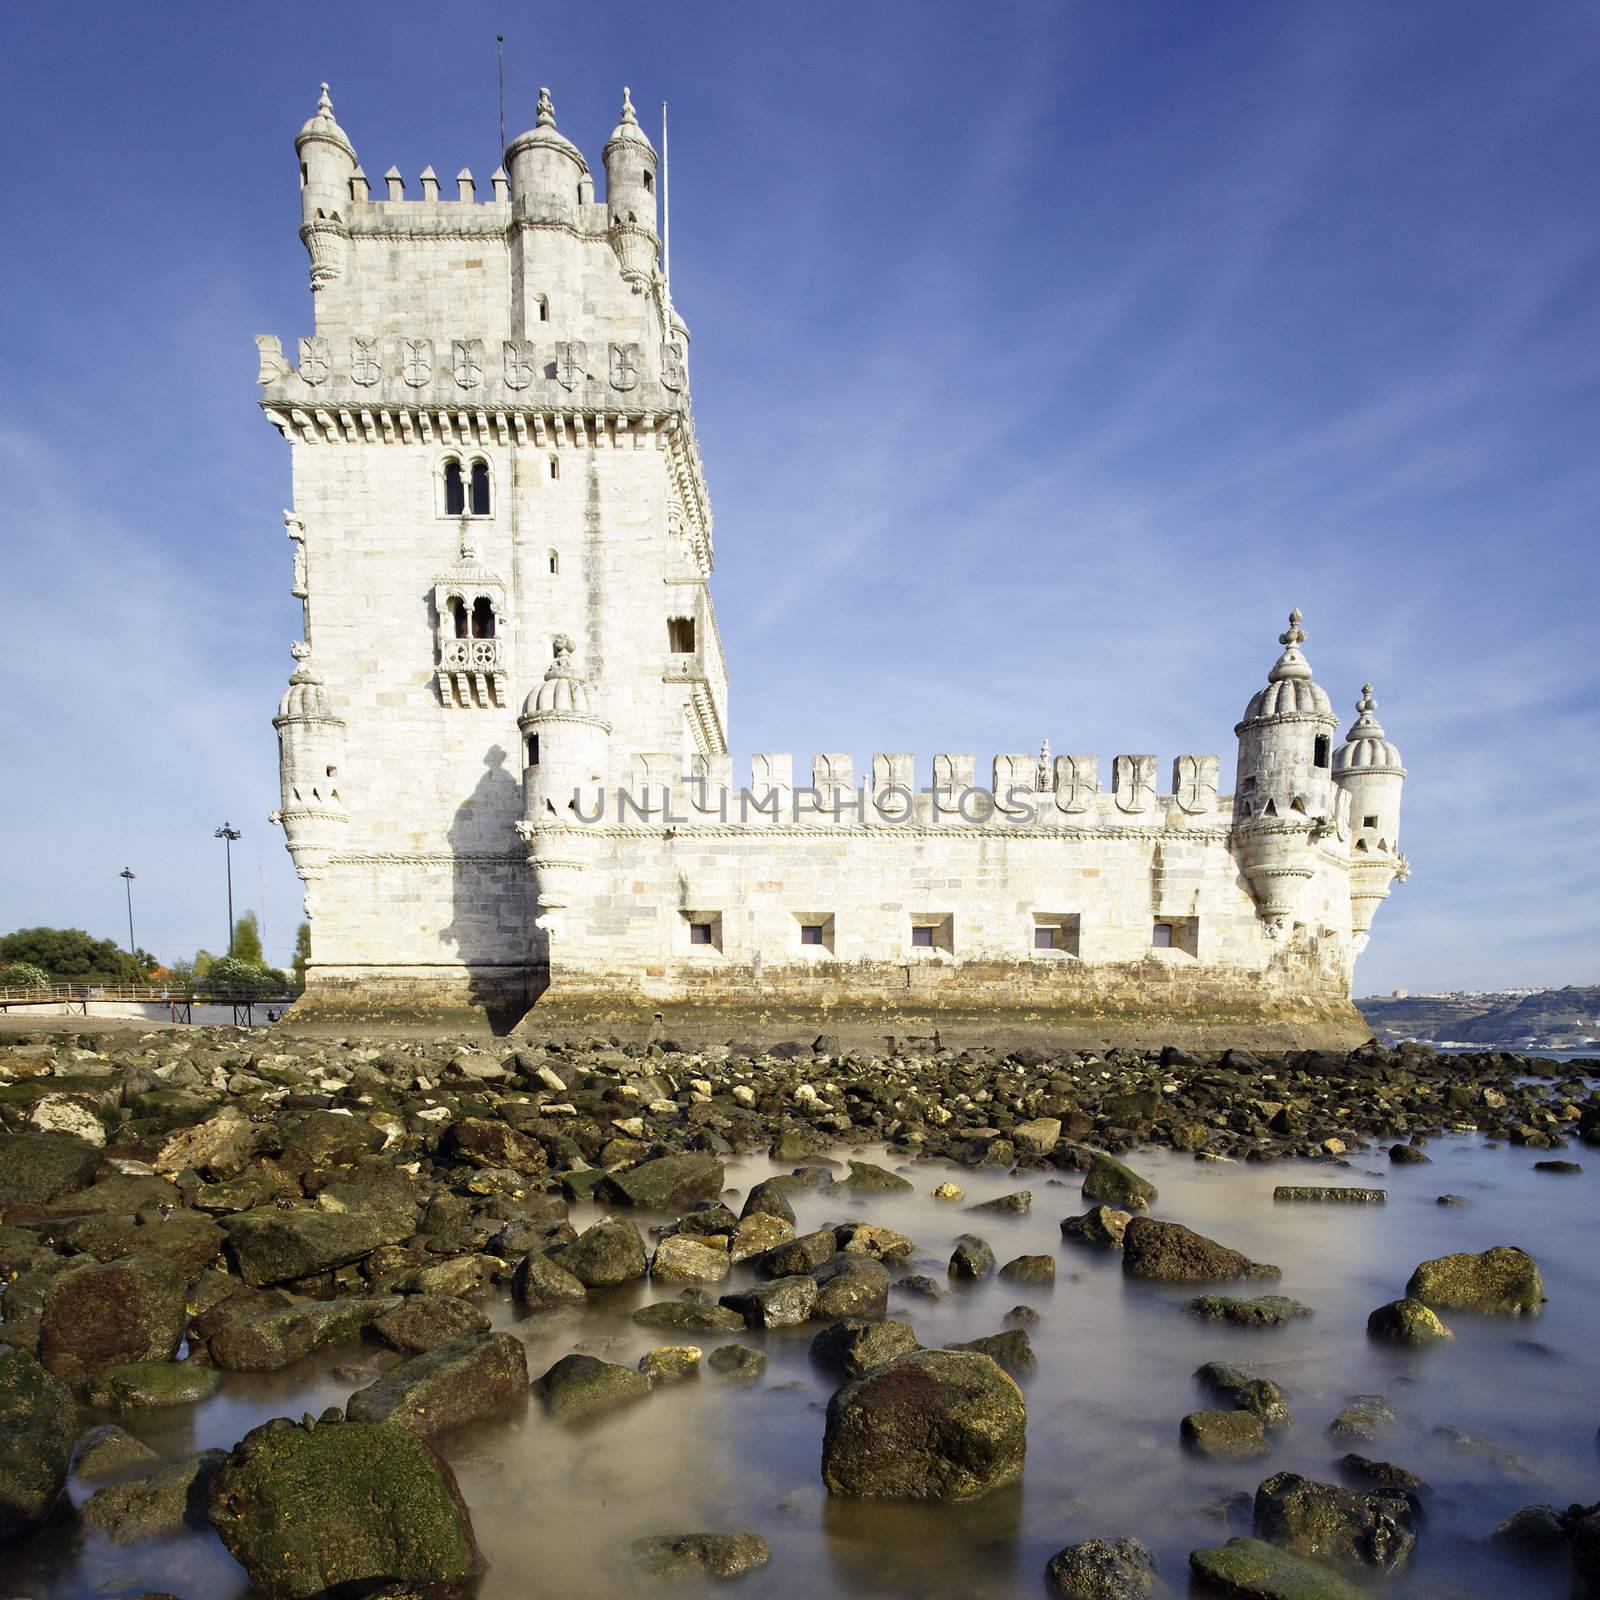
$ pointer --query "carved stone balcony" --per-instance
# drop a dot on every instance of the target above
(471, 655)
(471, 672)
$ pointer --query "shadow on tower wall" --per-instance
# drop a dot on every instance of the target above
(492, 900)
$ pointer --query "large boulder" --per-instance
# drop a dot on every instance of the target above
(608, 1253)
(118, 1311)
(1248, 1569)
(929, 1425)
(271, 1340)
(426, 1321)
(273, 1246)
(1110, 1183)
(1171, 1253)
(341, 1507)
(669, 1183)
(1348, 1527)
(579, 1386)
(36, 1168)
(146, 1385)
(1101, 1569)
(483, 1375)
(191, 1243)
(38, 1425)
(1504, 1279)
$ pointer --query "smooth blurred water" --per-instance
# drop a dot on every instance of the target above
(555, 1508)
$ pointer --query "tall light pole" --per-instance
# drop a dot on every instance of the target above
(228, 833)
(127, 876)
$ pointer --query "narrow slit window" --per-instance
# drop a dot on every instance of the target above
(533, 749)
(1322, 750)
(555, 468)
(455, 493)
(649, 182)
(555, 564)
(480, 488)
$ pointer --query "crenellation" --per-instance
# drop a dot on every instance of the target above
(508, 768)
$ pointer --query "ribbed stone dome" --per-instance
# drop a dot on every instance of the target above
(628, 130)
(544, 136)
(1365, 748)
(563, 689)
(322, 125)
(305, 697)
(1290, 689)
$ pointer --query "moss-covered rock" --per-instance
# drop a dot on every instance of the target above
(110, 1313)
(426, 1321)
(850, 1286)
(1101, 1569)
(669, 1183)
(930, 1425)
(1248, 1569)
(1264, 1311)
(1171, 1253)
(682, 1316)
(483, 1375)
(1224, 1435)
(700, 1555)
(1406, 1322)
(852, 1345)
(157, 1505)
(1504, 1279)
(579, 1386)
(36, 1168)
(272, 1246)
(38, 1425)
(1102, 1226)
(1110, 1183)
(1345, 1526)
(1246, 1391)
(273, 1339)
(107, 1451)
(309, 1511)
(144, 1385)
(608, 1253)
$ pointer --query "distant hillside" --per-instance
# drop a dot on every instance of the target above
(1552, 1019)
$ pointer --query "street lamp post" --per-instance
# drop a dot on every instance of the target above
(127, 876)
(228, 833)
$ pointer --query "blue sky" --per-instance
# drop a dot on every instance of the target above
(1044, 356)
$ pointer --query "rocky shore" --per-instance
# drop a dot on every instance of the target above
(185, 1204)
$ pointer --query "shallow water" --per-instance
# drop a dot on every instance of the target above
(555, 1509)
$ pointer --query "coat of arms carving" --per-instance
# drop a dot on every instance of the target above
(466, 361)
(570, 360)
(1133, 781)
(416, 361)
(624, 366)
(516, 360)
(673, 373)
(314, 363)
(1194, 783)
(1077, 782)
(366, 365)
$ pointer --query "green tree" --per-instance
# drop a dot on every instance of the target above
(230, 978)
(247, 940)
(302, 954)
(201, 964)
(70, 955)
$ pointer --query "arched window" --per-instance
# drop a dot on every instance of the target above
(543, 303)
(480, 488)
(649, 181)
(482, 618)
(555, 563)
(455, 493)
(458, 616)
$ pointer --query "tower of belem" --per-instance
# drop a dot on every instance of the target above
(503, 747)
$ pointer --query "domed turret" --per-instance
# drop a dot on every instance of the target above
(1286, 740)
(631, 167)
(1367, 768)
(547, 170)
(327, 163)
(310, 757)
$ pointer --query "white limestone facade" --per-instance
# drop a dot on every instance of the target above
(504, 751)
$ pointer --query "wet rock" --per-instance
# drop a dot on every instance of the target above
(948, 1191)
(191, 1243)
(38, 1426)
(1245, 1391)
(542, 1283)
(757, 1234)
(1224, 1435)
(882, 1244)
(1016, 1205)
(1100, 1225)
(271, 1246)
(768, 1199)
(1504, 1279)
(1562, 1168)
(119, 1311)
(852, 1345)
(669, 1183)
(851, 1286)
(1451, 1200)
(700, 1555)
(681, 1316)
(1168, 1252)
(36, 1168)
(805, 1253)
(972, 1258)
(1406, 1322)
(425, 1321)
(1036, 1270)
(482, 1375)
(220, 1147)
(1408, 1155)
(1371, 1474)
(1012, 1349)
(1533, 1528)
(1249, 1569)
(1345, 1526)
(272, 1340)
(307, 1510)
(930, 1425)
(683, 1258)
(1101, 1569)
(1320, 1194)
(579, 1386)
(608, 1253)
(486, 1142)
(708, 1220)
(144, 1385)
(1112, 1184)
(158, 1505)
(1264, 1311)
(1365, 1417)
(783, 1303)
(1038, 1136)
(919, 1284)
(868, 1177)
(107, 1451)
(671, 1363)
(738, 1363)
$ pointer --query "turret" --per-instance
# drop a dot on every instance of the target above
(565, 750)
(327, 166)
(631, 175)
(1285, 780)
(547, 170)
(1367, 768)
(310, 759)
